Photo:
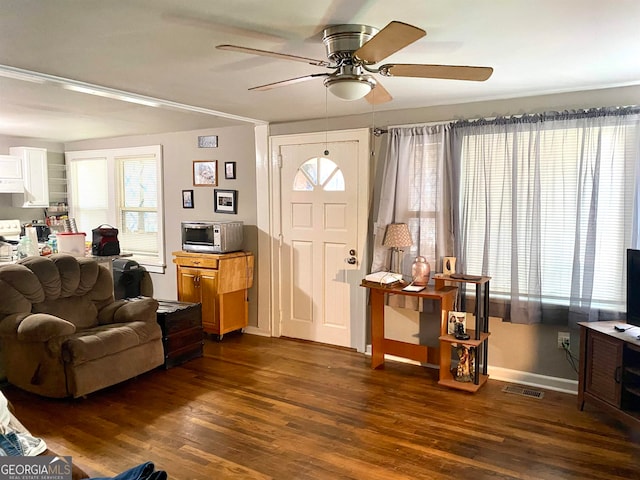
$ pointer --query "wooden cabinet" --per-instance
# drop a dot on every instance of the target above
(35, 176)
(219, 282)
(609, 375)
(478, 343)
(603, 370)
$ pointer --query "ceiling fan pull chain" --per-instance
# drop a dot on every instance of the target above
(326, 118)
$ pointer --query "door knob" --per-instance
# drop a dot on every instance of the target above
(352, 260)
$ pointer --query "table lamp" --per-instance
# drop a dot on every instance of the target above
(397, 237)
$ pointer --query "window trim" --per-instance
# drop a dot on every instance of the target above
(112, 157)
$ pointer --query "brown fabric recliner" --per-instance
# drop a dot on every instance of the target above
(63, 334)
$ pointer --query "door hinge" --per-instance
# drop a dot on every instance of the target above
(279, 160)
(280, 240)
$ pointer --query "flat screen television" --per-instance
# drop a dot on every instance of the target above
(633, 287)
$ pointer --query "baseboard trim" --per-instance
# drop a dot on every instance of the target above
(557, 384)
(256, 331)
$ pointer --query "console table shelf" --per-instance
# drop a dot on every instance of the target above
(466, 386)
(479, 337)
(471, 342)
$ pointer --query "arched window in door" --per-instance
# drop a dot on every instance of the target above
(319, 172)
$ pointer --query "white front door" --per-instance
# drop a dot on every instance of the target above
(323, 227)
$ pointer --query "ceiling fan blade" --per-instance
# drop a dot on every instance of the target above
(450, 72)
(393, 37)
(267, 53)
(378, 95)
(291, 81)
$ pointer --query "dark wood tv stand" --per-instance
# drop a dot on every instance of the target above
(610, 369)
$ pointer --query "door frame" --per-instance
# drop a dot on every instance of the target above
(269, 220)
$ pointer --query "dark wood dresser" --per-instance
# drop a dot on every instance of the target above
(182, 334)
(610, 369)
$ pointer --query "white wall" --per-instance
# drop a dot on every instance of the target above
(180, 149)
(523, 348)
(518, 347)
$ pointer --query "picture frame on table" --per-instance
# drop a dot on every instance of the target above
(225, 201)
(187, 199)
(205, 173)
(230, 170)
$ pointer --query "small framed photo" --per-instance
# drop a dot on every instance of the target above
(187, 198)
(208, 141)
(205, 173)
(225, 201)
(457, 323)
(230, 170)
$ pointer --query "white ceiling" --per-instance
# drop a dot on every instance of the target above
(165, 49)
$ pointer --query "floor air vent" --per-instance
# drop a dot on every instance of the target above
(525, 392)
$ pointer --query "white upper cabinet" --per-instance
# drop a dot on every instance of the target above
(11, 174)
(35, 176)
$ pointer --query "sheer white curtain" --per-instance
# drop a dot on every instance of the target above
(414, 191)
(547, 206)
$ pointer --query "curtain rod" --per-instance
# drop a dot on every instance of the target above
(380, 131)
(623, 109)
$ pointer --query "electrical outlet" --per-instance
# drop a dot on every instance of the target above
(564, 340)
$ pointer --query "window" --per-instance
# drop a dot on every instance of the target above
(547, 210)
(319, 172)
(123, 188)
(423, 197)
(413, 192)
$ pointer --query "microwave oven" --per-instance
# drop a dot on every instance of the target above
(212, 237)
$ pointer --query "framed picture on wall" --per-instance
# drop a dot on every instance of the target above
(225, 201)
(205, 173)
(187, 198)
(230, 170)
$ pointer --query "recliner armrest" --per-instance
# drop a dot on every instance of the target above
(42, 327)
(138, 310)
(9, 324)
(106, 314)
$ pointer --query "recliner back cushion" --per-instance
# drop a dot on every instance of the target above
(80, 311)
(19, 287)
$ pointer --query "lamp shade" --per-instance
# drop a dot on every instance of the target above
(350, 89)
(397, 236)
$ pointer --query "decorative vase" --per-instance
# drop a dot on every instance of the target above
(420, 270)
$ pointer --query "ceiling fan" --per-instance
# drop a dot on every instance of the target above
(352, 50)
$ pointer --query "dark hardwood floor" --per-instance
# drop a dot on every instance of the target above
(263, 408)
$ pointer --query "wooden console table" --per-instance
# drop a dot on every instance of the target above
(380, 345)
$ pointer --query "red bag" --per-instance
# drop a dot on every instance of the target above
(105, 241)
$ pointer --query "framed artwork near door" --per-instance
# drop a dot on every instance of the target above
(205, 173)
(225, 201)
(230, 170)
(187, 198)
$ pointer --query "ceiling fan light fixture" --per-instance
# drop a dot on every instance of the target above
(350, 88)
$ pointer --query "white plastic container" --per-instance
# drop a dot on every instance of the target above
(71, 243)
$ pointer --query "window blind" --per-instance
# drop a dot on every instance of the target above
(535, 196)
(123, 188)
